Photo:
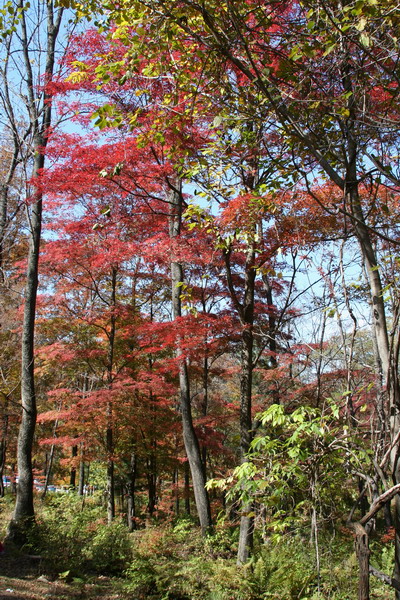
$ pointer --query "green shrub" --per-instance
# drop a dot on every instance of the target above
(77, 539)
(6, 509)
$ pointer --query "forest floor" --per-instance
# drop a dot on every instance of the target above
(21, 578)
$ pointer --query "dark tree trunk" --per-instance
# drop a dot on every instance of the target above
(152, 484)
(131, 507)
(110, 473)
(72, 476)
(152, 459)
(109, 409)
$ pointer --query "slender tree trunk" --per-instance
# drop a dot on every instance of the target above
(245, 310)
(48, 471)
(4, 189)
(110, 471)
(272, 327)
(23, 514)
(131, 507)
(204, 408)
(24, 511)
(190, 439)
(109, 408)
(187, 488)
(2, 464)
(152, 459)
(246, 521)
(151, 484)
(72, 476)
(3, 445)
(51, 459)
(175, 487)
(81, 476)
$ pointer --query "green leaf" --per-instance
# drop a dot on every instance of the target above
(64, 575)
(365, 40)
(361, 24)
(330, 48)
(217, 121)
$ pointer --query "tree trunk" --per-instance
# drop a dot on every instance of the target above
(48, 471)
(175, 488)
(190, 439)
(4, 205)
(245, 310)
(131, 508)
(387, 354)
(109, 408)
(151, 484)
(3, 444)
(246, 521)
(72, 475)
(204, 409)
(362, 552)
(23, 515)
(81, 476)
(110, 472)
(2, 463)
(187, 488)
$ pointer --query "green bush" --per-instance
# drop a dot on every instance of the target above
(76, 539)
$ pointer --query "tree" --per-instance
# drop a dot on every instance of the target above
(329, 130)
(21, 53)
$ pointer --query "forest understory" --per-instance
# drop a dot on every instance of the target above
(74, 554)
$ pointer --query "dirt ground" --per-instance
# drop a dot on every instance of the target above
(21, 578)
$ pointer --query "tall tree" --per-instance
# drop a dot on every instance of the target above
(31, 48)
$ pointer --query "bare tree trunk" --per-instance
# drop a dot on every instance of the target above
(4, 190)
(72, 476)
(245, 310)
(190, 439)
(81, 477)
(187, 488)
(3, 444)
(151, 484)
(175, 487)
(362, 552)
(110, 470)
(131, 508)
(204, 409)
(109, 408)
(246, 376)
(40, 120)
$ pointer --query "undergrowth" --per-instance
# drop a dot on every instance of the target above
(171, 561)
(174, 563)
(74, 540)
